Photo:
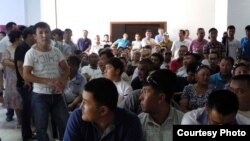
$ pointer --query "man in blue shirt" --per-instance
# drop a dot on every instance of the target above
(84, 44)
(245, 44)
(123, 42)
(99, 119)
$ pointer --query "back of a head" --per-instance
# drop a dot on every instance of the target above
(9, 26)
(224, 102)
(104, 92)
(27, 31)
(73, 60)
(244, 77)
(14, 35)
(107, 52)
(165, 80)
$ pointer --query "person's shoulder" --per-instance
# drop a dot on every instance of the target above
(126, 115)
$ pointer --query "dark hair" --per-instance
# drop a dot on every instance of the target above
(27, 31)
(164, 81)
(104, 92)
(9, 26)
(148, 65)
(22, 27)
(199, 29)
(247, 28)
(224, 102)
(231, 27)
(159, 56)
(239, 65)
(107, 52)
(117, 64)
(183, 31)
(68, 30)
(244, 77)
(192, 67)
(57, 31)
(41, 25)
(212, 29)
(14, 35)
(229, 59)
(74, 60)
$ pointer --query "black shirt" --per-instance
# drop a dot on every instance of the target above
(19, 56)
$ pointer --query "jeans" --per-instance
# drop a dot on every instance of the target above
(45, 104)
(26, 112)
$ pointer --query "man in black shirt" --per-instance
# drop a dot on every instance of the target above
(23, 87)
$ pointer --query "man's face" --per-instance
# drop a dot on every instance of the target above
(201, 34)
(225, 67)
(89, 107)
(231, 32)
(215, 118)
(93, 59)
(242, 91)
(42, 36)
(148, 99)
(213, 59)
(110, 72)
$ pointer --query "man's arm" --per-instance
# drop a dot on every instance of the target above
(20, 70)
(28, 76)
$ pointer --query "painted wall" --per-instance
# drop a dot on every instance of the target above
(12, 10)
(239, 15)
(96, 15)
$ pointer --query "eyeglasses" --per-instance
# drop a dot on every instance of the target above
(150, 80)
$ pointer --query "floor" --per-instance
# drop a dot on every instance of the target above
(8, 130)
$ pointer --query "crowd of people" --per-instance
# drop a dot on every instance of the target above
(121, 90)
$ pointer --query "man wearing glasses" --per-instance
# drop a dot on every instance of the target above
(158, 115)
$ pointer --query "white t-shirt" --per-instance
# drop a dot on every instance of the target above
(95, 49)
(176, 46)
(123, 89)
(45, 65)
(136, 45)
(94, 73)
(150, 42)
(4, 43)
(233, 46)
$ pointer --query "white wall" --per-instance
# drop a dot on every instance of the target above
(239, 15)
(221, 9)
(32, 11)
(96, 15)
(12, 10)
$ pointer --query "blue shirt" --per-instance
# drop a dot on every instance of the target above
(216, 81)
(83, 44)
(127, 127)
(245, 47)
(74, 88)
(121, 43)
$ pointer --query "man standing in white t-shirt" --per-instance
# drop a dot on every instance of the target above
(47, 69)
(232, 44)
(176, 45)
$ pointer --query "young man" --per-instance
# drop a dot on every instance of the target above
(47, 69)
(221, 109)
(99, 118)
(113, 71)
(158, 115)
(84, 43)
(23, 87)
(232, 44)
(245, 44)
(240, 86)
(75, 84)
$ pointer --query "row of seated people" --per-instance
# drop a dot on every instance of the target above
(110, 67)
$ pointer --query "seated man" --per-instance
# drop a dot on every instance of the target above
(99, 118)
(158, 115)
(240, 86)
(221, 109)
(74, 86)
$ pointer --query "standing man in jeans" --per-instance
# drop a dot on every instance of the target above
(47, 69)
(23, 87)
